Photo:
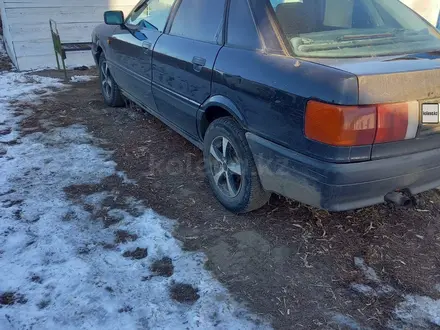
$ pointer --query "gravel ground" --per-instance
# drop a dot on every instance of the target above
(302, 268)
(296, 266)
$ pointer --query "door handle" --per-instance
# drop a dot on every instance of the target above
(146, 46)
(198, 63)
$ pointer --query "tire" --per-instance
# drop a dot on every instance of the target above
(231, 171)
(109, 89)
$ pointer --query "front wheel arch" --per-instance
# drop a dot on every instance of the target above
(98, 53)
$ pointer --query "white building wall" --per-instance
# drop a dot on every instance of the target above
(6, 35)
(27, 33)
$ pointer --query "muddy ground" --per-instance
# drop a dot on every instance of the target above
(300, 267)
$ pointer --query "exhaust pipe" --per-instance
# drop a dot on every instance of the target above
(398, 198)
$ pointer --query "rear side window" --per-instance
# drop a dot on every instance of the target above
(263, 15)
(241, 27)
(199, 19)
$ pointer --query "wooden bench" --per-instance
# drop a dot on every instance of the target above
(61, 48)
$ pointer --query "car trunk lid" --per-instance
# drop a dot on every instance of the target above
(395, 79)
(392, 79)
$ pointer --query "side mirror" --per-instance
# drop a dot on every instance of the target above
(114, 17)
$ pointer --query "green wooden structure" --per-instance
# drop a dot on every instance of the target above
(61, 48)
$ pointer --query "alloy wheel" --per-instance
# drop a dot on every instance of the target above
(225, 166)
(106, 80)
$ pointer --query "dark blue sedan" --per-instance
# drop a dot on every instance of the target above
(334, 103)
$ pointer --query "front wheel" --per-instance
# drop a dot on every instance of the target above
(110, 90)
(230, 167)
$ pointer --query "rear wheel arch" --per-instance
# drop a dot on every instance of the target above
(216, 107)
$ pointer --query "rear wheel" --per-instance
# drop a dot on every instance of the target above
(230, 167)
(110, 90)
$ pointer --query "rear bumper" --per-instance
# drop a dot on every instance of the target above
(340, 187)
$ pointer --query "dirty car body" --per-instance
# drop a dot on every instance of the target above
(329, 96)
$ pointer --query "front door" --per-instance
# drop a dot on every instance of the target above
(133, 49)
(184, 59)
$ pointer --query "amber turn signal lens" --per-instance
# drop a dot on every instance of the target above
(340, 125)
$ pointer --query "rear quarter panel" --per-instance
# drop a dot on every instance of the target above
(272, 91)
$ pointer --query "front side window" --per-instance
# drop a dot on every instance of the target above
(353, 28)
(151, 14)
(199, 20)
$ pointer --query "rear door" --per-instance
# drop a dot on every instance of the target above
(184, 58)
(133, 48)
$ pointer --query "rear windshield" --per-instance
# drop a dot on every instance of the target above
(353, 28)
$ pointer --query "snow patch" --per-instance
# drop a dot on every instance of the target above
(369, 273)
(347, 322)
(418, 311)
(16, 86)
(366, 290)
(84, 282)
(19, 86)
(79, 79)
(413, 311)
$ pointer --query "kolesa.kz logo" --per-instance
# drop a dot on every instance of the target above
(430, 113)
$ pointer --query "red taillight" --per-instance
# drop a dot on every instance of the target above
(396, 122)
(360, 125)
(340, 125)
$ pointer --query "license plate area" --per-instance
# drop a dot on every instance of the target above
(429, 117)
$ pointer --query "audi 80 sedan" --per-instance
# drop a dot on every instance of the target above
(333, 103)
